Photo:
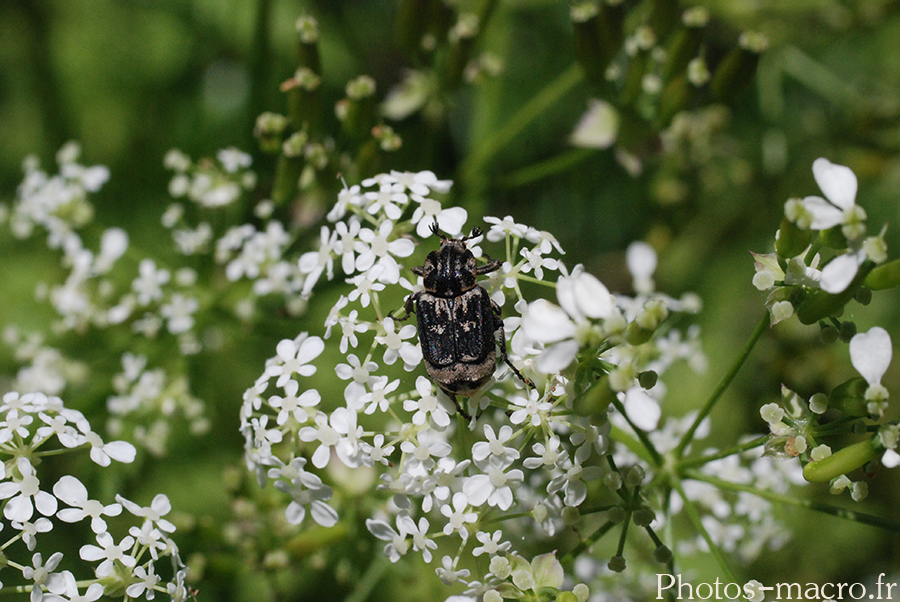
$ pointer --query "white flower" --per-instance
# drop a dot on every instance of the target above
(103, 453)
(582, 298)
(148, 285)
(548, 454)
(375, 249)
(449, 220)
(313, 263)
(399, 344)
(491, 543)
(427, 405)
(25, 495)
(109, 553)
(30, 529)
(495, 486)
(530, 408)
(342, 422)
(641, 260)
(448, 572)
(233, 160)
(71, 491)
(146, 581)
(378, 398)
(295, 357)
(426, 446)
(870, 354)
(598, 127)
(494, 446)
(41, 573)
(458, 515)
(292, 406)
(838, 184)
(397, 546)
(65, 585)
(179, 312)
(388, 200)
(344, 243)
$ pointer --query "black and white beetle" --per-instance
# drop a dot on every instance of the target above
(457, 320)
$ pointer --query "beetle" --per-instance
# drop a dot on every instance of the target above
(456, 319)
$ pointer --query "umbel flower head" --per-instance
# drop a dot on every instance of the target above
(36, 427)
(528, 450)
(822, 251)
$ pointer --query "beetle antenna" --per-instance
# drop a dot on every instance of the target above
(436, 230)
(476, 232)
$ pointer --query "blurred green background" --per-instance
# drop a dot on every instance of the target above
(131, 79)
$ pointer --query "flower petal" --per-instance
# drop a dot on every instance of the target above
(547, 323)
(870, 353)
(837, 275)
(824, 214)
(837, 182)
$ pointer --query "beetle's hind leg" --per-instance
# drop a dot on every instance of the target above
(498, 327)
(459, 408)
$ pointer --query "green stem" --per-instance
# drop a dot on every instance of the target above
(859, 517)
(694, 515)
(575, 552)
(737, 449)
(366, 584)
(723, 384)
(531, 111)
(645, 440)
(635, 446)
(549, 167)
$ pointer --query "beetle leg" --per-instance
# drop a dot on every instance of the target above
(408, 307)
(498, 327)
(492, 265)
(459, 408)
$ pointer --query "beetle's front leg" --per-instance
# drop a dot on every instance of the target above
(408, 307)
(498, 327)
(492, 265)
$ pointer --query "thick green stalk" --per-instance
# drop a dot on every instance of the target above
(723, 384)
(858, 517)
(552, 93)
(694, 515)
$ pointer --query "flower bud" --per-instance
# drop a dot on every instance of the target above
(842, 461)
(685, 44)
(819, 305)
(791, 240)
(647, 379)
(268, 130)
(677, 96)
(617, 563)
(847, 331)
(849, 397)
(662, 554)
(738, 68)
(887, 275)
(642, 517)
(596, 399)
(598, 36)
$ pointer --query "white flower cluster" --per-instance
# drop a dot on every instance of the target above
(532, 453)
(35, 428)
(155, 301)
(795, 423)
(798, 285)
(831, 261)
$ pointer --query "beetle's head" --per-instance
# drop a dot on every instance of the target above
(449, 271)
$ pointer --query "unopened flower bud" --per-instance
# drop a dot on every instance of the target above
(617, 563)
